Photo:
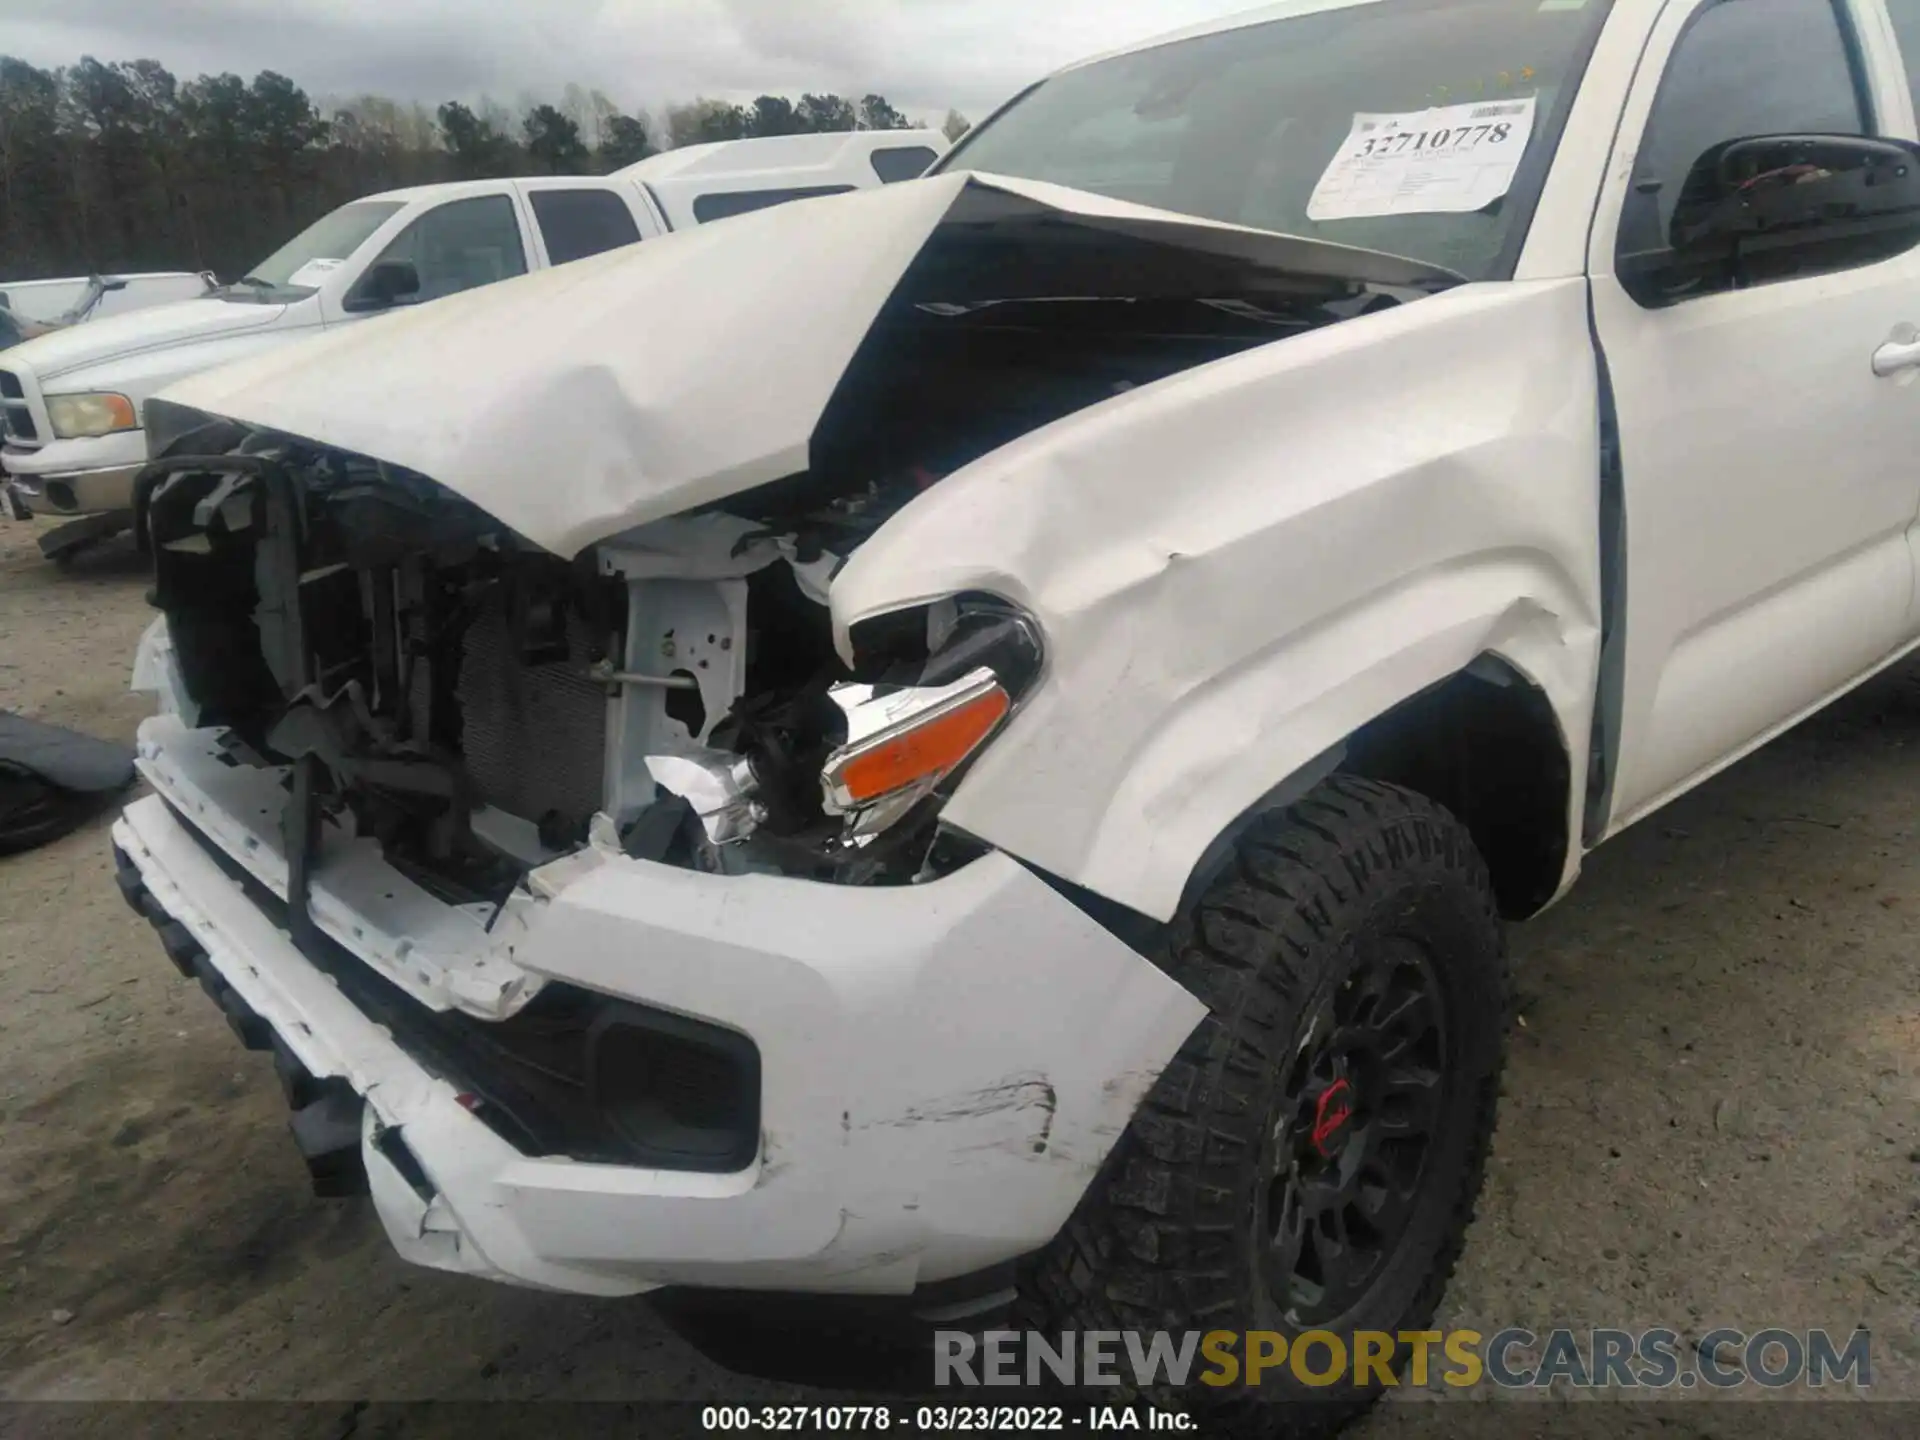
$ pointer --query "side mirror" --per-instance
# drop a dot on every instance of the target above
(1769, 206)
(386, 284)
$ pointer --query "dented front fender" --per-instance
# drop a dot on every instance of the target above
(1237, 567)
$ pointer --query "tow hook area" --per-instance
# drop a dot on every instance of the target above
(327, 1115)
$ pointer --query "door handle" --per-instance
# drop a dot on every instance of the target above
(1895, 356)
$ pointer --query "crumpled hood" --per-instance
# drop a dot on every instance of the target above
(579, 402)
(137, 331)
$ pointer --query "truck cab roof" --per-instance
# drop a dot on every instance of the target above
(456, 189)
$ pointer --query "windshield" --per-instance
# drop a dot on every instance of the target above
(1417, 127)
(303, 261)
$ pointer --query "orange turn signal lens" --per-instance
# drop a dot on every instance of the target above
(923, 748)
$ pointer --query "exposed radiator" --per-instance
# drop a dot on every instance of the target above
(533, 737)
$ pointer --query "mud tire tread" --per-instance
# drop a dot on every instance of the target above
(1153, 1245)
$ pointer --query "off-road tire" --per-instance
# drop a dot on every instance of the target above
(1164, 1239)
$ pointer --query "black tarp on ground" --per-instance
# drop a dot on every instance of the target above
(52, 780)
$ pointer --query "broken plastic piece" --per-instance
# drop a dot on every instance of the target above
(719, 787)
(653, 832)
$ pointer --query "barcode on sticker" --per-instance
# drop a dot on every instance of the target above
(1487, 112)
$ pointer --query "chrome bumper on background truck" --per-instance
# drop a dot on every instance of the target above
(743, 1082)
(71, 492)
(96, 504)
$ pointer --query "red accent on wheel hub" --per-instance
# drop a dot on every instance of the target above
(1330, 1115)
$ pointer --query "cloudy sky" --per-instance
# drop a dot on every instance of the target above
(924, 55)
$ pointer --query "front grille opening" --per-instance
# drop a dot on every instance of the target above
(439, 672)
(16, 423)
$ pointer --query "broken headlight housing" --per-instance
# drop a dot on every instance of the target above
(901, 744)
(911, 732)
(841, 774)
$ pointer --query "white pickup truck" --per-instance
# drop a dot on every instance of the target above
(969, 745)
(71, 435)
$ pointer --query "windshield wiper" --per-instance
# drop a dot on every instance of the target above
(247, 285)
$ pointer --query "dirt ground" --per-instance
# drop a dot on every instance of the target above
(1712, 1114)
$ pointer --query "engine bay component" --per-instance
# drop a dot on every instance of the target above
(479, 708)
(435, 677)
(604, 674)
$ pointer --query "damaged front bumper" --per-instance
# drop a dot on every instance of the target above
(939, 1069)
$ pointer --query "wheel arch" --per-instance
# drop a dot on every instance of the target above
(1487, 743)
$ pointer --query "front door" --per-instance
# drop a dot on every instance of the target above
(460, 245)
(1768, 471)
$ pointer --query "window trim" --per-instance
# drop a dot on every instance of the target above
(659, 204)
(952, 159)
(1530, 179)
(1853, 43)
(1906, 71)
(1859, 71)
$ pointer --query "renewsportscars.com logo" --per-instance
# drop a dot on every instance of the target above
(1510, 1359)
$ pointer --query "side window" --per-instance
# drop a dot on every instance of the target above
(1741, 68)
(579, 223)
(901, 162)
(720, 205)
(462, 244)
(1906, 28)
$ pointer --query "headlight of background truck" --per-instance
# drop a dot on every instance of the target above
(93, 413)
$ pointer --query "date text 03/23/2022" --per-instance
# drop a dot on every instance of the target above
(941, 1419)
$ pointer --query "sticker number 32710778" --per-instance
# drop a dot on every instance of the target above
(1450, 159)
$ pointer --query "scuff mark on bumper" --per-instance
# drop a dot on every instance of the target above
(1015, 1096)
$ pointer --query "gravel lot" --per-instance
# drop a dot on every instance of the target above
(1711, 1116)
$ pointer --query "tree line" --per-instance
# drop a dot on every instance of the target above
(125, 167)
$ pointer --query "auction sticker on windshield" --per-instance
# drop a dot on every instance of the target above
(314, 271)
(1451, 159)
